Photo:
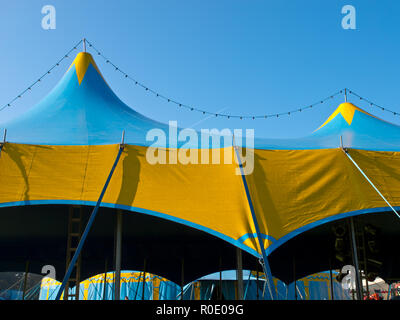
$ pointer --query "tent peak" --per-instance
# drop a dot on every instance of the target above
(81, 63)
(346, 110)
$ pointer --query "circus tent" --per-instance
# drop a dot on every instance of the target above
(136, 286)
(59, 154)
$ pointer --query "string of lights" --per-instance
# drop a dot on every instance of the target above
(40, 78)
(189, 107)
(372, 104)
(192, 108)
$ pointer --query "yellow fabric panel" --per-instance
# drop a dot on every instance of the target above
(85, 290)
(383, 169)
(289, 189)
(41, 172)
(156, 288)
(197, 291)
(293, 188)
(210, 195)
(125, 277)
(250, 242)
(207, 194)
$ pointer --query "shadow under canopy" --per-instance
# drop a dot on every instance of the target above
(314, 250)
(38, 234)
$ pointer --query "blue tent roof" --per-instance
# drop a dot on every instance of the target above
(356, 128)
(80, 111)
(83, 110)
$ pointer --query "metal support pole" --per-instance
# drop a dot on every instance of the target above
(105, 280)
(84, 44)
(182, 276)
(266, 267)
(331, 280)
(88, 226)
(239, 274)
(345, 95)
(258, 276)
(25, 279)
(220, 278)
(118, 249)
(294, 278)
(144, 278)
(4, 140)
(364, 244)
(114, 261)
(355, 260)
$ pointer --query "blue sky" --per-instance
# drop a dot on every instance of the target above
(237, 57)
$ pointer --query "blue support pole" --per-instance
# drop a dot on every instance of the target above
(266, 267)
(88, 226)
(389, 292)
(247, 286)
(4, 141)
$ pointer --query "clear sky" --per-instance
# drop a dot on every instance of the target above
(234, 56)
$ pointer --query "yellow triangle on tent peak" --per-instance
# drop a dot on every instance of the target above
(81, 63)
(347, 111)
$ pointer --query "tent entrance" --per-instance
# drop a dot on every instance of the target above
(39, 233)
(329, 246)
